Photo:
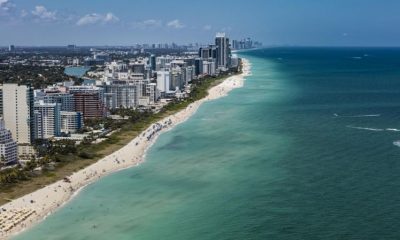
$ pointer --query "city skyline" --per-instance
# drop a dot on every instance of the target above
(339, 23)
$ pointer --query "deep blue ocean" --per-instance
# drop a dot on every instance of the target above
(305, 150)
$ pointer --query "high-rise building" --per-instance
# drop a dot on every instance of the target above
(126, 93)
(163, 81)
(246, 43)
(209, 68)
(1, 101)
(8, 147)
(121, 95)
(90, 104)
(47, 120)
(110, 100)
(153, 62)
(209, 52)
(71, 121)
(18, 110)
(176, 79)
(189, 61)
(224, 52)
(138, 68)
(198, 66)
(66, 100)
(235, 44)
(188, 74)
(152, 93)
(11, 48)
(88, 100)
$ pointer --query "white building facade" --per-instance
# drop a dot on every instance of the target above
(163, 81)
(8, 147)
(71, 122)
(47, 120)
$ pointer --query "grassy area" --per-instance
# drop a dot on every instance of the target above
(74, 162)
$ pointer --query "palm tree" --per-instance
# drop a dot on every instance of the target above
(44, 161)
(31, 165)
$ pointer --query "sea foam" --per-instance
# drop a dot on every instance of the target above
(393, 129)
(366, 128)
(356, 116)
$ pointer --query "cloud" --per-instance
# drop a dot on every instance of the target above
(149, 23)
(6, 7)
(24, 13)
(111, 18)
(207, 27)
(90, 19)
(175, 24)
(96, 18)
(40, 12)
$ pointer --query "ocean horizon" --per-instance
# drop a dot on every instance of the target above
(307, 149)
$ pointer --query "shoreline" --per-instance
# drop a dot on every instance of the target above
(45, 201)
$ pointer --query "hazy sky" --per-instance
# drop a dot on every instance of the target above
(125, 22)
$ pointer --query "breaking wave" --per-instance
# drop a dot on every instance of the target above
(366, 128)
(393, 129)
(356, 116)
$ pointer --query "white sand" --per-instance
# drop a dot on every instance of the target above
(45, 201)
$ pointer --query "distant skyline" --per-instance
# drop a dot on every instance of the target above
(273, 22)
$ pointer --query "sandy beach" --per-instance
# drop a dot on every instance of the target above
(24, 212)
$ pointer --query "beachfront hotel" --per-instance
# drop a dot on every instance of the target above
(18, 111)
(47, 120)
(223, 49)
(71, 122)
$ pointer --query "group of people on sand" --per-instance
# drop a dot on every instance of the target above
(10, 219)
(156, 128)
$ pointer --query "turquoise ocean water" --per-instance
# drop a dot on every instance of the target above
(303, 151)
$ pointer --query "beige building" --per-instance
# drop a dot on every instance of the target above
(18, 112)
